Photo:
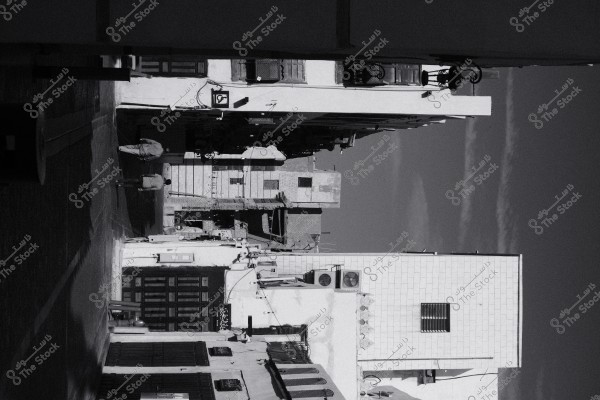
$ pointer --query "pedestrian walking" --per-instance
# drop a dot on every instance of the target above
(146, 182)
(147, 150)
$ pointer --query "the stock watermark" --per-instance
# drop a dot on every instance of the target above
(102, 297)
(267, 138)
(86, 191)
(123, 27)
(378, 264)
(546, 114)
(12, 8)
(527, 16)
(464, 296)
(24, 369)
(545, 220)
(355, 64)
(130, 386)
(566, 319)
(489, 392)
(201, 318)
(454, 82)
(251, 39)
(169, 115)
(397, 356)
(370, 382)
(463, 189)
(363, 168)
(41, 102)
(7, 267)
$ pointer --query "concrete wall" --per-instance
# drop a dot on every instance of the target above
(202, 180)
(331, 317)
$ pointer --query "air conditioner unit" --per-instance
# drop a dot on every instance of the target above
(323, 278)
(349, 280)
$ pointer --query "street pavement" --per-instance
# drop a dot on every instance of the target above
(60, 242)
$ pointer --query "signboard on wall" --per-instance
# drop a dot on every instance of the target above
(220, 98)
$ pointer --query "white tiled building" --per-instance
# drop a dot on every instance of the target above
(458, 316)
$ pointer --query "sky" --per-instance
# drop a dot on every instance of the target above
(529, 169)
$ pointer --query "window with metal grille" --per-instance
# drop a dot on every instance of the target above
(268, 70)
(319, 393)
(236, 181)
(270, 184)
(220, 352)
(305, 381)
(262, 168)
(294, 371)
(198, 386)
(304, 182)
(435, 317)
(232, 167)
(157, 354)
(228, 385)
(177, 66)
(393, 74)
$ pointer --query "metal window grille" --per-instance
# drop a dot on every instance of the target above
(177, 66)
(268, 70)
(319, 393)
(435, 317)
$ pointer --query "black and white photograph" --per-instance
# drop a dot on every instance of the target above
(316, 200)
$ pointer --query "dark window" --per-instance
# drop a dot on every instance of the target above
(228, 385)
(303, 394)
(236, 181)
(173, 66)
(171, 298)
(262, 168)
(305, 381)
(220, 352)
(118, 386)
(271, 184)
(157, 354)
(268, 70)
(382, 74)
(304, 182)
(435, 317)
(224, 167)
(294, 371)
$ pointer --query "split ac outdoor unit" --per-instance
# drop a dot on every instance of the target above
(348, 280)
(322, 278)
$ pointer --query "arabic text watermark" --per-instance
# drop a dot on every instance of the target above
(86, 191)
(526, 18)
(545, 220)
(251, 40)
(566, 319)
(463, 189)
(362, 168)
(546, 114)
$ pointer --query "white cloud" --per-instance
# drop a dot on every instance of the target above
(506, 221)
(466, 210)
(418, 227)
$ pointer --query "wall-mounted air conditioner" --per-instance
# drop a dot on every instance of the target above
(349, 280)
(322, 278)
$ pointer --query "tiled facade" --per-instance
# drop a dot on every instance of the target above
(485, 317)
